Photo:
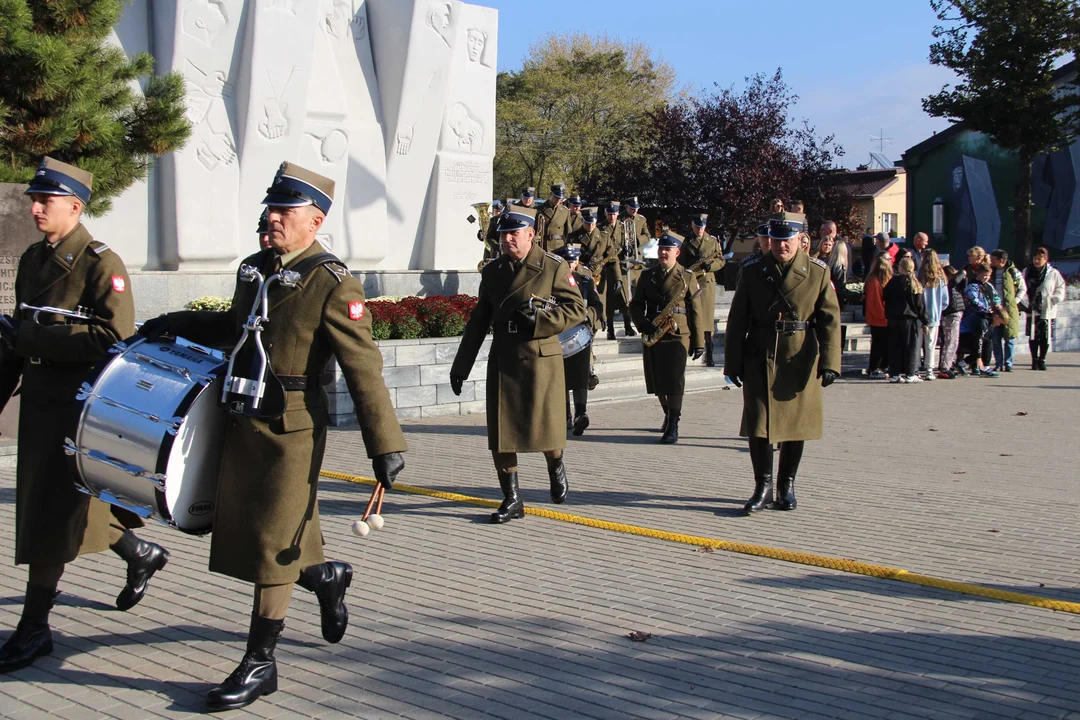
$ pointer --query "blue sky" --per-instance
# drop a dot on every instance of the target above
(860, 67)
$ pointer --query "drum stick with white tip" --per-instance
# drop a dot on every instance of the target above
(371, 520)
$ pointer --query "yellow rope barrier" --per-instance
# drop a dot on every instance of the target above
(824, 561)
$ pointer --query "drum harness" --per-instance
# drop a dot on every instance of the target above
(255, 390)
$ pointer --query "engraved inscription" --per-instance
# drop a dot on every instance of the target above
(466, 171)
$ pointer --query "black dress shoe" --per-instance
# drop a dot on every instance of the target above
(663, 427)
(610, 332)
(593, 382)
(560, 488)
(581, 423)
(671, 432)
(512, 506)
(32, 637)
(329, 581)
(257, 673)
(143, 559)
(762, 499)
(630, 332)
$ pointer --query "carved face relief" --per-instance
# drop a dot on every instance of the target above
(438, 19)
(203, 20)
(476, 40)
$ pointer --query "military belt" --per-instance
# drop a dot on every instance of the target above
(305, 382)
(555, 237)
(39, 361)
(786, 326)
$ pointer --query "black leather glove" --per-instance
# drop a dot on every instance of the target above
(525, 320)
(619, 287)
(154, 328)
(696, 353)
(827, 378)
(735, 380)
(387, 467)
(456, 382)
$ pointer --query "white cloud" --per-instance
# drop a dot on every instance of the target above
(865, 106)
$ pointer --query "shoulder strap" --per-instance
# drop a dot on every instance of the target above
(308, 264)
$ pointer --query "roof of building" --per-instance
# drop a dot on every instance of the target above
(865, 184)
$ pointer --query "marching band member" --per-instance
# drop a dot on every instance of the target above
(525, 385)
(577, 368)
(55, 523)
(266, 527)
(667, 312)
(705, 251)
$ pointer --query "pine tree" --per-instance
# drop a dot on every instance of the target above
(67, 93)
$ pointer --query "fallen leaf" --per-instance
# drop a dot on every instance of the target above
(639, 636)
(1021, 412)
(705, 549)
(993, 531)
(1042, 584)
(1005, 454)
(933, 429)
(959, 472)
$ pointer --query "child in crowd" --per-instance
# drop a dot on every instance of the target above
(905, 308)
(981, 301)
(1045, 289)
(950, 323)
(879, 276)
(936, 295)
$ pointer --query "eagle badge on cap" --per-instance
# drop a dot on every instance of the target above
(118, 284)
(356, 310)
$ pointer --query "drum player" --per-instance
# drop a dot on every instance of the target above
(55, 523)
(576, 368)
(266, 528)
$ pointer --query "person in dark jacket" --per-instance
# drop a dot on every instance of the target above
(905, 308)
(950, 324)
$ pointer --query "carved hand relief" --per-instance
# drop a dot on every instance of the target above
(203, 20)
(404, 140)
(405, 134)
(359, 28)
(467, 129)
(275, 125)
(476, 47)
(204, 89)
(339, 23)
(216, 149)
(332, 146)
(439, 18)
(207, 114)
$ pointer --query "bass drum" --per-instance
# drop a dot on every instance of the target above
(575, 339)
(150, 431)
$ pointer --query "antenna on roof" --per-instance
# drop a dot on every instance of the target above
(881, 140)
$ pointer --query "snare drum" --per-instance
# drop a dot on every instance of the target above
(575, 339)
(150, 432)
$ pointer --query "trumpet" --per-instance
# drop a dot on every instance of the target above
(79, 313)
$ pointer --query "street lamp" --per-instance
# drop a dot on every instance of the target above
(939, 217)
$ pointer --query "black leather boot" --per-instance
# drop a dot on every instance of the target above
(761, 457)
(671, 429)
(611, 328)
(709, 362)
(329, 581)
(629, 329)
(143, 559)
(581, 423)
(1034, 355)
(32, 637)
(560, 488)
(788, 468)
(512, 507)
(257, 673)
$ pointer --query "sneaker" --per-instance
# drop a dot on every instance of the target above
(1007, 368)
(944, 375)
(930, 376)
(914, 379)
(987, 373)
(897, 379)
(877, 375)
(959, 370)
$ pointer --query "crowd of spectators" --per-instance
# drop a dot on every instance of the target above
(914, 306)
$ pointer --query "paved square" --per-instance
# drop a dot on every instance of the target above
(971, 480)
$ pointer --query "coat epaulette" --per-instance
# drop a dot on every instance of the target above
(338, 270)
(819, 262)
(98, 248)
(750, 260)
(553, 256)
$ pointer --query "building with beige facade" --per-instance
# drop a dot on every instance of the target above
(880, 198)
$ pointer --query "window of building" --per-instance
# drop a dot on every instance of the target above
(890, 223)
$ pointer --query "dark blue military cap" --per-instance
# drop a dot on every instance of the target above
(570, 252)
(632, 203)
(558, 190)
(264, 222)
(56, 178)
(612, 208)
(785, 225)
(670, 239)
(701, 220)
(575, 200)
(295, 186)
(529, 192)
(762, 230)
(516, 218)
(589, 215)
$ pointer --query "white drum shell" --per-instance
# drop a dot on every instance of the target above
(140, 378)
(575, 339)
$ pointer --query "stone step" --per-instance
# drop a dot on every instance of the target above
(627, 385)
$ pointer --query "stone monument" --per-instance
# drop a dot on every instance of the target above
(394, 99)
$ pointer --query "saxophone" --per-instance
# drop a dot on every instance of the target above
(665, 321)
(596, 267)
(484, 211)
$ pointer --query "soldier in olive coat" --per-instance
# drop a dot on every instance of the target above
(527, 297)
(782, 346)
(55, 522)
(490, 235)
(553, 221)
(704, 252)
(578, 367)
(266, 527)
(574, 219)
(665, 361)
(613, 288)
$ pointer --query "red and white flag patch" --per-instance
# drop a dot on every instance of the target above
(356, 310)
(573, 282)
(118, 284)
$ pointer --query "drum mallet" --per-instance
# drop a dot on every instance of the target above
(371, 520)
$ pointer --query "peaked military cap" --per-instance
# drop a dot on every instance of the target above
(56, 178)
(632, 203)
(558, 190)
(529, 192)
(295, 186)
(762, 230)
(701, 220)
(516, 218)
(670, 239)
(786, 225)
(570, 252)
(264, 222)
(496, 204)
(575, 200)
(612, 208)
(589, 214)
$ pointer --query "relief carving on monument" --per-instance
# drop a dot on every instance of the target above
(275, 124)
(209, 117)
(202, 20)
(467, 129)
(476, 44)
(439, 19)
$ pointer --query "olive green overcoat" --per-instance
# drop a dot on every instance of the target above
(665, 362)
(55, 522)
(266, 523)
(782, 397)
(695, 249)
(576, 368)
(553, 226)
(525, 384)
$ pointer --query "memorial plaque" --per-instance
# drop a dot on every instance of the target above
(17, 232)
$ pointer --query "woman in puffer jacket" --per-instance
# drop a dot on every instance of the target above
(1045, 290)
(936, 299)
